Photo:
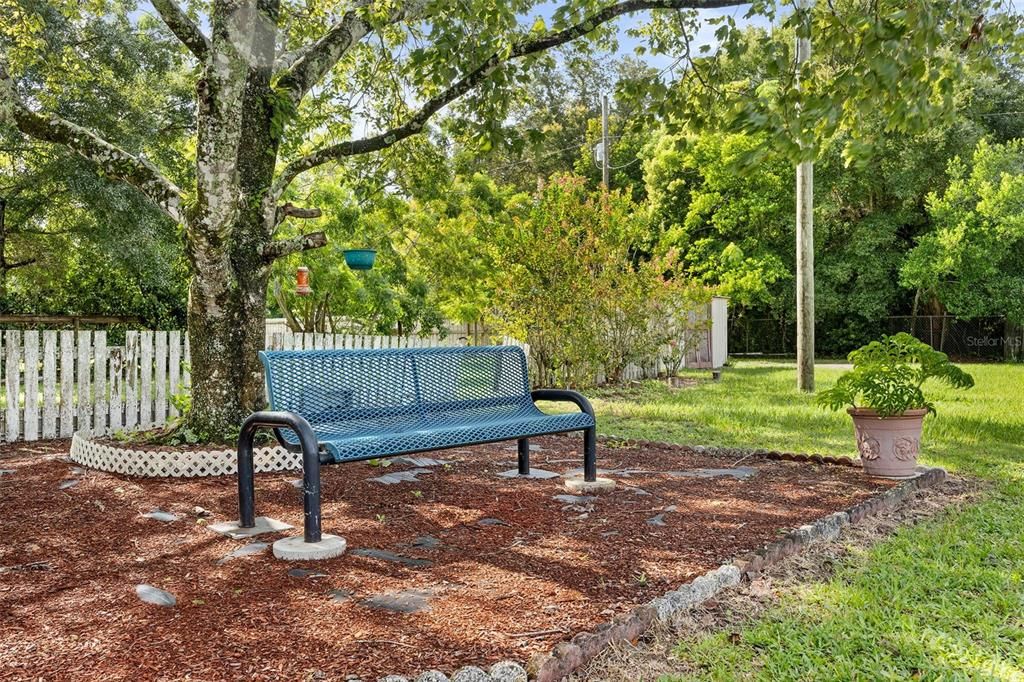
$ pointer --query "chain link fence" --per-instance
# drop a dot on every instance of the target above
(984, 339)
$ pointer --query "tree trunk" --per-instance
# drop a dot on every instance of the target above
(226, 330)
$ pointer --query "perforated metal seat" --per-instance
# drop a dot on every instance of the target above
(349, 405)
(364, 404)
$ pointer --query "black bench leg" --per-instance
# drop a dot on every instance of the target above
(246, 484)
(311, 490)
(310, 469)
(524, 456)
(590, 454)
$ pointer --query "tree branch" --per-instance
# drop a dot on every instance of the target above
(184, 28)
(289, 210)
(415, 123)
(304, 68)
(19, 264)
(111, 159)
(286, 247)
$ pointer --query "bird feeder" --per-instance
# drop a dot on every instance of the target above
(302, 287)
(360, 259)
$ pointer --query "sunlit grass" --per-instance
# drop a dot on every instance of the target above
(942, 600)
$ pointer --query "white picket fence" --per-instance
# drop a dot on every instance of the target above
(58, 382)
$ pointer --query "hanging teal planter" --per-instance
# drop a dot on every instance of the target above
(360, 259)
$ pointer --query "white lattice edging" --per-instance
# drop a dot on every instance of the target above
(118, 460)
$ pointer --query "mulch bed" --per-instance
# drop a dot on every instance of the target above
(515, 571)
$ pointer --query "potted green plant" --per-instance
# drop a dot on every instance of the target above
(883, 394)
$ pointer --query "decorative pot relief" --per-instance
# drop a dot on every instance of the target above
(869, 448)
(905, 448)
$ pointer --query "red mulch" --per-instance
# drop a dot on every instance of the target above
(501, 591)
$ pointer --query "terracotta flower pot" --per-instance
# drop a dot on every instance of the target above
(888, 445)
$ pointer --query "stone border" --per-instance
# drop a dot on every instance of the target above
(569, 656)
(181, 464)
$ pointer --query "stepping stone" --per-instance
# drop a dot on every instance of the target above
(340, 595)
(160, 515)
(245, 550)
(406, 601)
(77, 471)
(419, 462)
(491, 522)
(264, 524)
(641, 492)
(575, 499)
(536, 473)
(305, 573)
(400, 477)
(658, 520)
(154, 595)
(578, 472)
(385, 555)
(70, 483)
(737, 473)
(426, 542)
(5, 472)
(296, 483)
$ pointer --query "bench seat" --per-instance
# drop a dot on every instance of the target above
(373, 437)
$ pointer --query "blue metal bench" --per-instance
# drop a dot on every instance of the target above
(349, 405)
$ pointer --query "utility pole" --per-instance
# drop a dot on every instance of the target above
(604, 143)
(804, 246)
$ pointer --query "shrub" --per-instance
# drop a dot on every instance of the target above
(887, 376)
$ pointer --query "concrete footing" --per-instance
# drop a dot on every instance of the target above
(264, 524)
(297, 549)
(578, 485)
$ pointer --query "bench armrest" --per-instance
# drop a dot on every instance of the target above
(563, 395)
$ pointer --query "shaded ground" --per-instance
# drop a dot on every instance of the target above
(507, 570)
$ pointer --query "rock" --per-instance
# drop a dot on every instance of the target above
(70, 483)
(426, 542)
(406, 601)
(508, 671)
(340, 595)
(77, 471)
(393, 678)
(432, 676)
(470, 673)
(488, 521)
(296, 483)
(245, 550)
(575, 499)
(160, 515)
(200, 512)
(737, 472)
(400, 477)
(419, 462)
(535, 473)
(658, 520)
(6, 472)
(305, 573)
(385, 555)
(154, 595)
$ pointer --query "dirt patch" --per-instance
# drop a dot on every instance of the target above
(652, 657)
(460, 566)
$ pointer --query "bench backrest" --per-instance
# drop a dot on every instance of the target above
(337, 385)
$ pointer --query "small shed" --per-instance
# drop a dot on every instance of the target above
(712, 350)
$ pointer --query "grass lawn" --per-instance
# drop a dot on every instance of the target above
(942, 600)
